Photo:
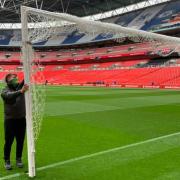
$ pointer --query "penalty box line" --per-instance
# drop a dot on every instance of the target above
(93, 155)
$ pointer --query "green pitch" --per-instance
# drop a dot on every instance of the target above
(79, 122)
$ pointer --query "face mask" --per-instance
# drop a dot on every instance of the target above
(13, 83)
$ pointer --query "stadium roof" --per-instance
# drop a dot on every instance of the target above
(10, 9)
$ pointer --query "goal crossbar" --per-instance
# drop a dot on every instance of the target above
(102, 26)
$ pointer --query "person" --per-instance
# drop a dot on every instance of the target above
(46, 82)
(14, 118)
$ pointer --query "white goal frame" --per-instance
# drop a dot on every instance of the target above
(89, 26)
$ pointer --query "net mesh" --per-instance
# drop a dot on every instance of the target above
(38, 96)
(38, 100)
(37, 91)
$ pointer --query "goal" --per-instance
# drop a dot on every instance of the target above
(40, 26)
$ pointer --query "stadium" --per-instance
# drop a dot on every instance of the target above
(104, 81)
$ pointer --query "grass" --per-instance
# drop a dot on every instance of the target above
(80, 121)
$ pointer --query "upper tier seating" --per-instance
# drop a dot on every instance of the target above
(150, 18)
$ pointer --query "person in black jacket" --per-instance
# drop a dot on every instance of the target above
(14, 118)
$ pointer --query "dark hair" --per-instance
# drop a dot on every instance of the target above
(8, 76)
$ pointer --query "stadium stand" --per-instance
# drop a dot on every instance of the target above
(131, 64)
(151, 18)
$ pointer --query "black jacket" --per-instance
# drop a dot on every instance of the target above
(14, 102)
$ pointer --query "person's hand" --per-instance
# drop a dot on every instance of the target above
(24, 88)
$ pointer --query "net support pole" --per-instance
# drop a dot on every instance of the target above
(27, 60)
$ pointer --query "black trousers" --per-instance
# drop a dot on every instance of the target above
(14, 129)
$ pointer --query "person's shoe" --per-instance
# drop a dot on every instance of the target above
(7, 165)
(19, 163)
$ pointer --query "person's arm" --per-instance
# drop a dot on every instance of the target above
(10, 95)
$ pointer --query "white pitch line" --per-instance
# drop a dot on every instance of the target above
(94, 154)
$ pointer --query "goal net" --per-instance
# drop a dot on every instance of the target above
(39, 26)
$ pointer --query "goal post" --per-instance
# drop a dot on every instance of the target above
(40, 26)
(26, 56)
(35, 96)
